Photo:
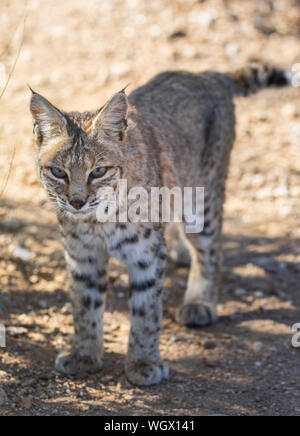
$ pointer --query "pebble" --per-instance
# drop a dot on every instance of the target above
(209, 345)
(210, 362)
(232, 49)
(120, 70)
(258, 346)
(178, 34)
(3, 376)
(17, 331)
(67, 308)
(240, 292)
(3, 397)
(263, 260)
(22, 253)
(249, 299)
(34, 279)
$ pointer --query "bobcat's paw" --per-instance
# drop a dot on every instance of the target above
(147, 372)
(196, 313)
(70, 363)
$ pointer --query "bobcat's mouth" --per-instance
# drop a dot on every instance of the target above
(80, 214)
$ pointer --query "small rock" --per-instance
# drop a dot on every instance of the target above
(22, 253)
(3, 376)
(282, 266)
(210, 362)
(240, 292)
(232, 49)
(263, 261)
(34, 279)
(67, 308)
(120, 70)
(258, 346)
(3, 397)
(209, 345)
(178, 34)
(249, 299)
(259, 294)
(174, 338)
(17, 331)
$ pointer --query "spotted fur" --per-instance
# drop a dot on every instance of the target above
(177, 130)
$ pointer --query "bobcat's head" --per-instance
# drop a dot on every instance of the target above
(78, 154)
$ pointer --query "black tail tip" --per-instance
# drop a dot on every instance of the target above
(278, 78)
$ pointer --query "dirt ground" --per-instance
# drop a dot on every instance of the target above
(77, 54)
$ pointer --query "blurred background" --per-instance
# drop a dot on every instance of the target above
(77, 54)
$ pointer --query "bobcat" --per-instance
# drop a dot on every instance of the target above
(177, 130)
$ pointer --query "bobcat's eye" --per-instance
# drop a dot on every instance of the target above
(58, 173)
(98, 173)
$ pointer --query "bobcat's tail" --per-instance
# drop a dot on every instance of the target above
(257, 76)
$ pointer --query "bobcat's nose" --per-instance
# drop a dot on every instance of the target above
(77, 204)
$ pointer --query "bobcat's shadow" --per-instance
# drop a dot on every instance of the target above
(251, 263)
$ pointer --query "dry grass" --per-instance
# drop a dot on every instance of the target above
(11, 72)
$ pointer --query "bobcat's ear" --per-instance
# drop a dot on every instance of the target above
(112, 118)
(49, 123)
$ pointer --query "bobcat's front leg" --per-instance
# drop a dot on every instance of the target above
(146, 258)
(87, 272)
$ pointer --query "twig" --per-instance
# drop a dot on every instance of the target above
(23, 15)
(9, 172)
(2, 93)
(15, 62)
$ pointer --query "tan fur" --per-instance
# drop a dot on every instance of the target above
(53, 148)
(177, 130)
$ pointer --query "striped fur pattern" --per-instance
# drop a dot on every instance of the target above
(258, 76)
(177, 130)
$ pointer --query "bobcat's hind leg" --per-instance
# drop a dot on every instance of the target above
(200, 300)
